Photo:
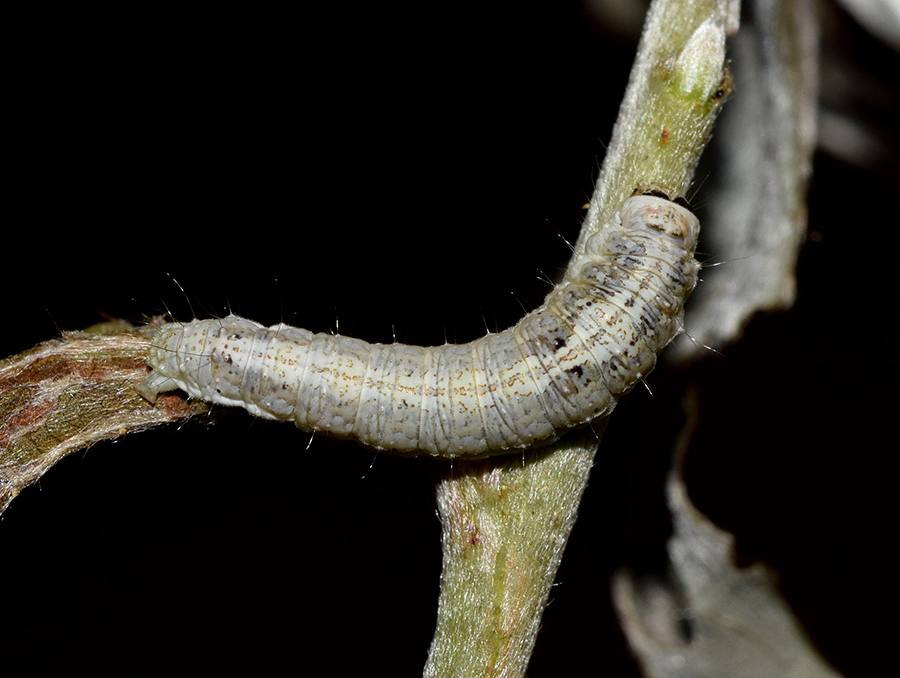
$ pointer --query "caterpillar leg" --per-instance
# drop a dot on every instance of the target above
(153, 385)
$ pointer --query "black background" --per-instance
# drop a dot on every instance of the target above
(400, 175)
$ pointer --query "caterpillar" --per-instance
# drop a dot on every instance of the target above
(561, 366)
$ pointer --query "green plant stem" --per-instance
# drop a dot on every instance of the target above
(505, 525)
(506, 520)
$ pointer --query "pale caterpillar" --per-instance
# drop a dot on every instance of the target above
(561, 366)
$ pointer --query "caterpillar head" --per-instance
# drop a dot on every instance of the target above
(655, 210)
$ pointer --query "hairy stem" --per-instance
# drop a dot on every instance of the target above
(506, 520)
(67, 394)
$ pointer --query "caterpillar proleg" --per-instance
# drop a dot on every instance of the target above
(562, 365)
